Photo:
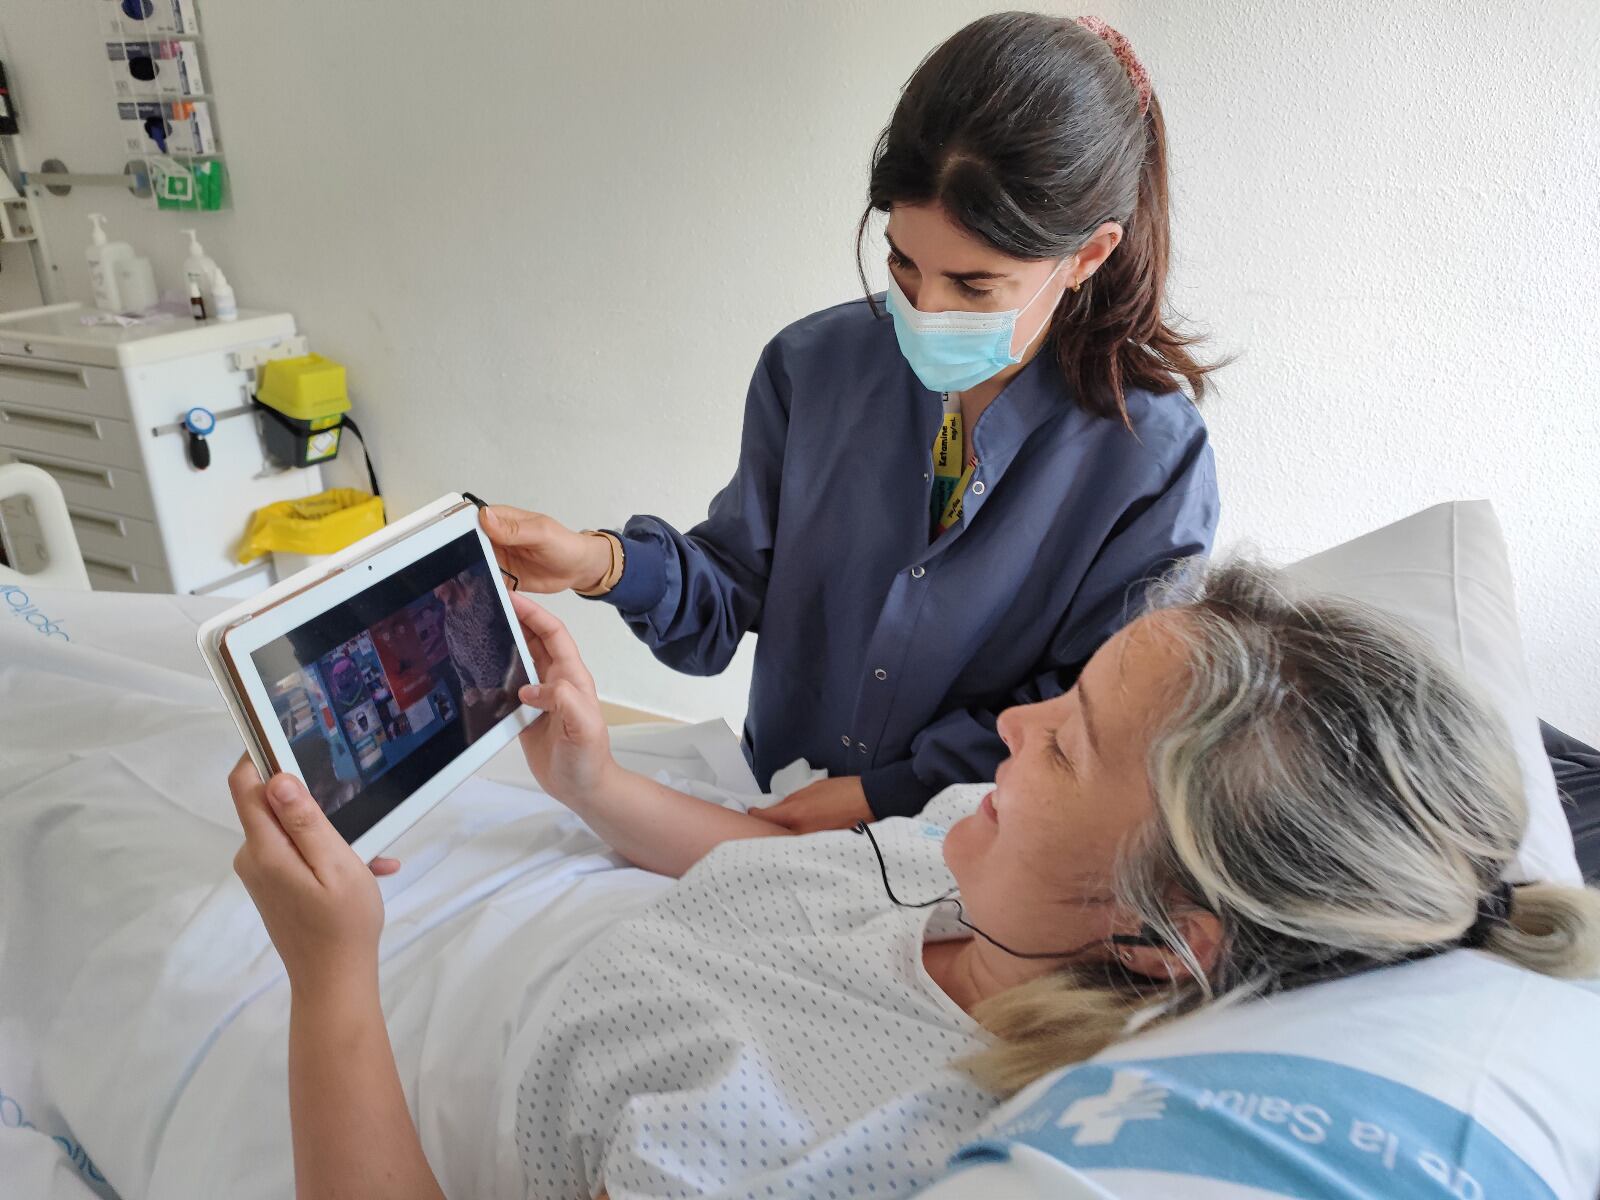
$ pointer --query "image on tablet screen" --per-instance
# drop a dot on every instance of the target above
(380, 692)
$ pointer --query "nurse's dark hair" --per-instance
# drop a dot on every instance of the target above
(1026, 130)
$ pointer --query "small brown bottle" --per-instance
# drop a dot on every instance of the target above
(197, 302)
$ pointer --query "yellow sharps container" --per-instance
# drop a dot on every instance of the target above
(304, 401)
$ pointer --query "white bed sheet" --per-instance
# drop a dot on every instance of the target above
(144, 1014)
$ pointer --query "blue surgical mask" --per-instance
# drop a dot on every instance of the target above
(953, 351)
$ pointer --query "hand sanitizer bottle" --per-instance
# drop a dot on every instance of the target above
(199, 268)
(223, 305)
(104, 258)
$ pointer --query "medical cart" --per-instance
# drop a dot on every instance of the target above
(151, 434)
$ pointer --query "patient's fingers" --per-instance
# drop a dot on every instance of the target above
(578, 712)
(384, 866)
(250, 800)
(536, 647)
(557, 643)
(266, 846)
(540, 656)
(307, 825)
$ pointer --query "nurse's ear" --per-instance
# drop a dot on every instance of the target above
(1092, 256)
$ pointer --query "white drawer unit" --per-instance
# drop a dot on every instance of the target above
(69, 434)
(98, 407)
(109, 575)
(92, 484)
(31, 380)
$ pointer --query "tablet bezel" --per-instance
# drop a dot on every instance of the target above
(237, 642)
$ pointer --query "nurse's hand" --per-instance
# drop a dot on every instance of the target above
(568, 748)
(826, 804)
(320, 903)
(542, 553)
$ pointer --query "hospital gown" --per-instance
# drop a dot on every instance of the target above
(765, 1029)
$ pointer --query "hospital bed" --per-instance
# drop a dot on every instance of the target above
(105, 706)
(162, 1026)
(110, 721)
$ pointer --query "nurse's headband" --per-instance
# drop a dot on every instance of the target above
(1123, 49)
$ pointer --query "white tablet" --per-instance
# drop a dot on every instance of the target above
(383, 678)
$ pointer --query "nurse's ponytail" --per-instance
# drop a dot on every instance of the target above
(1112, 334)
(1030, 131)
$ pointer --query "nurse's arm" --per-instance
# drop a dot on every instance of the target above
(569, 751)
(692, 596)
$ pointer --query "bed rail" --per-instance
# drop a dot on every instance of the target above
(65, 560)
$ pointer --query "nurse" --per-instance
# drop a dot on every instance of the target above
(949, 496)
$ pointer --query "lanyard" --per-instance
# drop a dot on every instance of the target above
(952, 467)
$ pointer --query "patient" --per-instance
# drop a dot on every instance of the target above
(1244, 793)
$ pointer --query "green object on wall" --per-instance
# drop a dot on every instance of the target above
(190, 187)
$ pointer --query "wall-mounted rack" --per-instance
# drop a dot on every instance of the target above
(163, 105)
(54, 178)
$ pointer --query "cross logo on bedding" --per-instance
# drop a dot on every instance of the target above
(1131, 1097)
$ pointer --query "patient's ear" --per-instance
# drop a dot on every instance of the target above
(1201, 932)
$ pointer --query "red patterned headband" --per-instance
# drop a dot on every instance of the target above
(1123, 49)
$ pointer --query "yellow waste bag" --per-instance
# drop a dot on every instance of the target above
(319, 524)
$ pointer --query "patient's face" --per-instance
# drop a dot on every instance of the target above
(1035, 863)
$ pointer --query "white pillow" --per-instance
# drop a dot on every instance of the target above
(1460, 1075)
(1482, 1072)
(1444, 572)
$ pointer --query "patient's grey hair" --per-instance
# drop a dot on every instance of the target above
(1332, 791)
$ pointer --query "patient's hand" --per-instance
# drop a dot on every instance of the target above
(568, 748)
(319, 901)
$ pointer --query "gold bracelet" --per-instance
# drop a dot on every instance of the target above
(614, 572)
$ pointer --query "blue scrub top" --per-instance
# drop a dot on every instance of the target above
(881, 653)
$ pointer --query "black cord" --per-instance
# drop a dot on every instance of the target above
(1118, 939)
(366, 454)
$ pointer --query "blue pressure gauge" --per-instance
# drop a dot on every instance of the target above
(197, 424)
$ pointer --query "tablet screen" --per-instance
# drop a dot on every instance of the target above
(380, 692)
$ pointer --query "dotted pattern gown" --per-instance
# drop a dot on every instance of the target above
(765, 1029)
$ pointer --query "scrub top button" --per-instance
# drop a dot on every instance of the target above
(861, 746)
(977, 487)
(925, 477)
(918, 572)
(846, 740)
(880, 673)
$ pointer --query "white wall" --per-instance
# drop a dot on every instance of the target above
(1392, 212)
(549, 241)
